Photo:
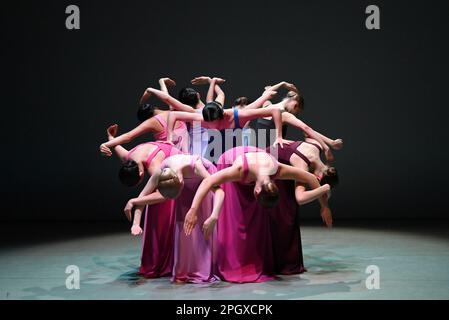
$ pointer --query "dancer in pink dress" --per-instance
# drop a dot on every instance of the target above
(214, 117)
(179, 177)
(244, 246)
(159, 225)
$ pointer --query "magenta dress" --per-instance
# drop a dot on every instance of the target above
(193, 255)
(285, 222)
(158, 230)
(244, 244)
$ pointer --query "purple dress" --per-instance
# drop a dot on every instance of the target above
(244, 244)
(193, 255)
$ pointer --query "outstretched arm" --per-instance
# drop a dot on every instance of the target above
(213, 88)
(259, 102)
(121, 152)
(165, 97)
(145, 127)
(154, 198)
(226, 175)
(181, 116)
(164, 82)
(283, 84)
(274, 112)
(308, 131)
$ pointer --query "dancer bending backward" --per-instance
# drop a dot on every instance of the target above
(244, 246)
(179, 177)
(291, 107)
(214, 117)
(284, 224)
(159, 226)
(154, 120)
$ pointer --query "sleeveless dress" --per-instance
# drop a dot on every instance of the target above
(244, 244)
(179, 132)
(285, 220)
(159, 226)
(193, 255)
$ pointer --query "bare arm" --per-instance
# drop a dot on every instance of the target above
(274, 112)
(283, 84)
(145, 127)
(308, 131)
(164, 82)
(181, 116)
(303, 196)
(211, 90)
(121, 152)
(291, 173)
(165, 97)
(226, 175)
(259, 102)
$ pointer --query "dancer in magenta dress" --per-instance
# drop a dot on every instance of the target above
(179, 177)
(244, 244)
(284, 223)
(159, 225)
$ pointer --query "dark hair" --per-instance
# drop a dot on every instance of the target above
(169, 185)
(129, 173)
(269, 195)
(330, 177)
(213, 111)
(241, 101)
(188, 96)
(298, 97)
(145, 112)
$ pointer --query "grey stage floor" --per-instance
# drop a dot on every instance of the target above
(413, 261)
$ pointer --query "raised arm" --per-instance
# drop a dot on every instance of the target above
(180, 116)
(274, 112)
(259, 102)
(121, 152)
(308, 131)
(166, 98)
(164, 83)
(213, 88)
(226, 175)
(283, 84)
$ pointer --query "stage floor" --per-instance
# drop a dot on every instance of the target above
(413, 261)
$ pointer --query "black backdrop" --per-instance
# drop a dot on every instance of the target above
(383, 92)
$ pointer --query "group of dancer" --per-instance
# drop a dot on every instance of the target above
(233, 217)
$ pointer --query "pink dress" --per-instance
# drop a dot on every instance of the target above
(193, 256)
(244, 245)
(179, 133)
(159, 226)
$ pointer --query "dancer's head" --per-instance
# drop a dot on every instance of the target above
(330, 176)
(145, 112)
(213, 111)
(131, 174)
(169, 185)
(189, 96)
(267, 194)
(294, 102)
(241, 102)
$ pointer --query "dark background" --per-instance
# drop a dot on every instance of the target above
(383, 92)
